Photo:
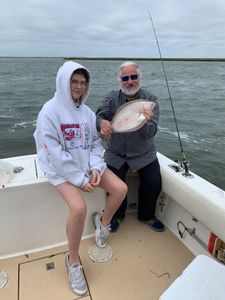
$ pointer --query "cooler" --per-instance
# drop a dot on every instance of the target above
(203, 279)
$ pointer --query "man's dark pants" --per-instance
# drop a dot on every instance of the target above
(149, 188)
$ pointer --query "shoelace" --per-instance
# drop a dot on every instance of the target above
(104, 231)
(76, 273)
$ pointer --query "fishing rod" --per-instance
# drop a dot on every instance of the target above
(184, 160)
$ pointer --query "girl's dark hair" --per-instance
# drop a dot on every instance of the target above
(83, 72)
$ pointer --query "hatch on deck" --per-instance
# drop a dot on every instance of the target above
(43, 276)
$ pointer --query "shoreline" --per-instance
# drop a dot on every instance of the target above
(147, 59)
(197, 59)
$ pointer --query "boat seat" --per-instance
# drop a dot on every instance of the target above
(203, 279)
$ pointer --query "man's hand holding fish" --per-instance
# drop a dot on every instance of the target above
(106, 128)
(148, 114)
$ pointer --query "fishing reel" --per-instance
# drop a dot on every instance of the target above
(182, 167)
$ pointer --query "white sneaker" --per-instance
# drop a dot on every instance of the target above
(76, 277)
(101, 231)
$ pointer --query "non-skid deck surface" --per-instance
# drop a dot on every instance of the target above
(143, 265)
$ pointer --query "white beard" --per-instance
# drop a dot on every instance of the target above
(131, 91)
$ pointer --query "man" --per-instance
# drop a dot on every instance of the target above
(134, 150)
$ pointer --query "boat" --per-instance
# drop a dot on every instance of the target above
(185, 261)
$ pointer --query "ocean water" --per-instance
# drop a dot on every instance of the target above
(198, 97)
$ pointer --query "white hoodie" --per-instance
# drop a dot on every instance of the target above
(67, 141)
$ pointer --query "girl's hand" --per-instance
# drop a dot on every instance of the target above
(95, 178)
(87, 187)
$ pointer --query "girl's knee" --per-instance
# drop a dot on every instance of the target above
(79, 210)
(123, 189)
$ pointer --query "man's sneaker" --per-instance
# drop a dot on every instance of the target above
(101, 231)
(115, 224)
(76, 277)
(155, 224)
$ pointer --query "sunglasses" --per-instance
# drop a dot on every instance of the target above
(132, 77)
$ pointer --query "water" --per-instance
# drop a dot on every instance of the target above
(197, 90)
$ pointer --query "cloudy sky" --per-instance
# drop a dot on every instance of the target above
(112, 28)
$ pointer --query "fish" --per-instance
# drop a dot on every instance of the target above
(129, 117)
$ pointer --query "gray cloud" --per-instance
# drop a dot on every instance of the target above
(112, 28)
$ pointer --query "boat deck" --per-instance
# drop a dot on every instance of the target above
(143, 265)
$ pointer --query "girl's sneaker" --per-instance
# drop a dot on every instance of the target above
(76, 277)
(101, 231)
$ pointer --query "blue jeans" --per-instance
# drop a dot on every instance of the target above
(149, 188)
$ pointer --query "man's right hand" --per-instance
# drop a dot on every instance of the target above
(106, 128)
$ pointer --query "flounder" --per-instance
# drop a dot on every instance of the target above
(129, 116)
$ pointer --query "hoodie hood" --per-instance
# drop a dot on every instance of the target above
(63, 93)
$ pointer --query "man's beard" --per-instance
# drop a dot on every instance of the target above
(131, 91)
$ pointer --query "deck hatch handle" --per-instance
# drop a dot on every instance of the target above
(50, 266)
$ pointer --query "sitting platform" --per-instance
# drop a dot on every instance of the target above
(203, 279)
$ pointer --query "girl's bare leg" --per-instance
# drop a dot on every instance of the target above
(116, 190)
(76, 218)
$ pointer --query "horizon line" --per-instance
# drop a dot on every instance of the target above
(125, 58)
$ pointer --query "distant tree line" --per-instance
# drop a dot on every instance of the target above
(146, 59)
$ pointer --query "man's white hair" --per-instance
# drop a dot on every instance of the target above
(127, 64)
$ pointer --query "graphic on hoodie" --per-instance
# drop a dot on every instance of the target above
(76, 135)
